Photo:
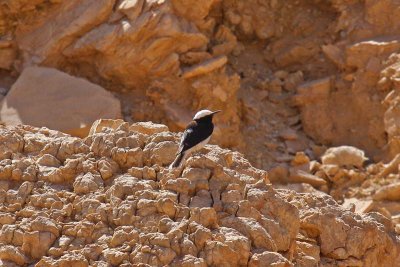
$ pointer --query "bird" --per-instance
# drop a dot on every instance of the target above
(196, 135)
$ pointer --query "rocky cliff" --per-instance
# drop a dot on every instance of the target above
(289, 76)
(108, 200)
(309, 91)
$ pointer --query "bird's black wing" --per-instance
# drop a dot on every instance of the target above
(194, 134)
(183, 138)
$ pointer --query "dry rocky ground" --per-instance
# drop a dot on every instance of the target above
(108, 200)
(296, 81)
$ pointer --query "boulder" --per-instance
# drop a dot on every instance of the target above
(344, 156)
(50, 98)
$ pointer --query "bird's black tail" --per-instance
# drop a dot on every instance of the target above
(177, 161)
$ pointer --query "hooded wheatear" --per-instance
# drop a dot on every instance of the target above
(196, 135)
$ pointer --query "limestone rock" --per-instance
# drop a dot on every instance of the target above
(204, 67)
(62, 102)
(103, 209)
(344, 156)
(148, 128)
(12, 254)
(269, 259)
(388, 192)
(99, 125)
(87, 183)
(44, 42)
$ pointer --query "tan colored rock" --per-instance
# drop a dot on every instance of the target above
(388, 192)
(269, 259)
(131, 8)
(87, 183)
(99, 125)
(31, 241)
(259, 237)
(44, 42)
(391, 167)
(204, 67)
(334, 53)
(360, 206)
(124, 234)
(6, 218)
(219, 210)
(69, 259)
(13, 254)
(148, 128)
(299, 176)
(334, 241)
(49, 161)
(223, 251)
(358, 54)
(189, 261)
(346, 156)
(73, 114)
(193, 10)
(161, 151)
(114, 256)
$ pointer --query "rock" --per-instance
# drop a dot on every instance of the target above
(114, 256)
(360, 206)
(388, 192)
(99, 125)
(391, 167)
(189, 260)
(205, 67)
(358, 54)
(48, 88)
(251, 229)
(44, 42)
(219, 210)
(48, 161)
(308, 91)
(269, 259)
(87, 183)
(131, 8)
(288, 134)
(334, 53)
(7, 57)
(300, 160)
(32, 239)
(344, 156)
(13, 254)
(148, 128)
(7, 218)
(333, 242)
(299, 176)
(278, 174)
(223, 253)
(69, 259)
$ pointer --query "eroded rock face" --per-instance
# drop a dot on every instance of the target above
(266, 64)
(109, 199)
(171, 52)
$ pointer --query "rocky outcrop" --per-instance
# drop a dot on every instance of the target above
(169, 51)
(50, 98)
(266, 64)
(109, 199)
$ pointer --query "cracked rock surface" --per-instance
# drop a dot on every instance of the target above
(109, 200)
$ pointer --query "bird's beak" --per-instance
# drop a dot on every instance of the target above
(217, 111)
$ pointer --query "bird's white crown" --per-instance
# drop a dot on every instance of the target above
(202, 113)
